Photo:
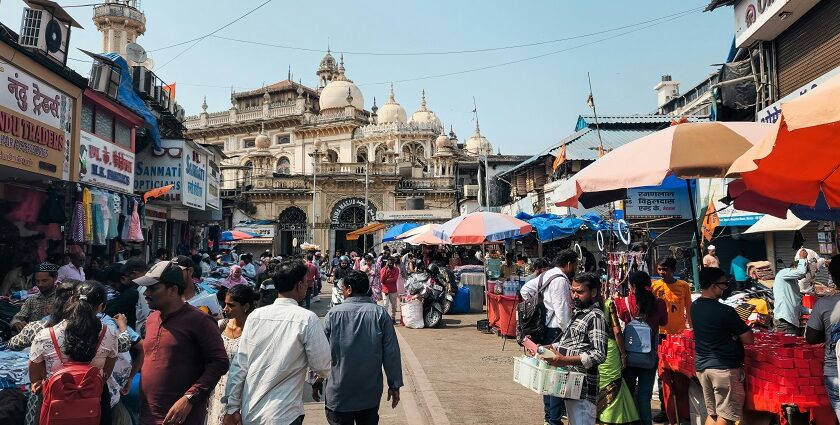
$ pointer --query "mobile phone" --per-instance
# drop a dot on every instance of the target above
(531, 346)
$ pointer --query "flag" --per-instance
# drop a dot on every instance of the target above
(170, 88)
(559, 158)
(601, 151)
(711, 220)
(590, 101)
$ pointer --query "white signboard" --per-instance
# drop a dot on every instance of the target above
(194, 193)
(35, 124)
(213, 174)
(655, 203)
(263, 230)
(766, 19)
(406, 215)
(105, 164)
(156, 169)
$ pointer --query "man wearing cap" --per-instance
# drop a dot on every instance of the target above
(711, 260)
(204, 301)
(37, 306)
(184, 352)
(206, 266)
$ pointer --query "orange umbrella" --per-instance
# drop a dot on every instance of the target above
(802, 157)
(158, 192)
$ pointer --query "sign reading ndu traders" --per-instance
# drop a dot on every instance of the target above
(194, 185)
(156, 169)
(35, 125)
(105, 164)
(656, 202)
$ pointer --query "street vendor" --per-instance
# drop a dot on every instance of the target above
(37, 306)
(787, 298)
(509, 269)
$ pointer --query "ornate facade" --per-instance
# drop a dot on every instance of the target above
(313, 159)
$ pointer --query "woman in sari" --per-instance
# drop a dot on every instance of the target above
(615, 403)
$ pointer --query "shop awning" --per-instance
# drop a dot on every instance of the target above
(252, 241)
(370, 228)
(769, 223)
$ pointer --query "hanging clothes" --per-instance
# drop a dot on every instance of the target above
(87, 201)
(52, 211)
(98, 225)
(135, 232)
(114, 217)
(77, 225)
(30, 203)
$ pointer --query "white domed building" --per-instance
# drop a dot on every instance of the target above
(477, 144)
(282, 135)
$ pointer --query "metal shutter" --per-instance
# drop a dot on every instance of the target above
(809, 48)
(783, 242)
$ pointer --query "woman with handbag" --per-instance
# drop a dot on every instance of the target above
(642, 307)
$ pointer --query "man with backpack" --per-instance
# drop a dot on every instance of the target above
(545, 322)
(824, 326)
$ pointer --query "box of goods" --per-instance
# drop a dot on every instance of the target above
(563, 383)
(527, 372)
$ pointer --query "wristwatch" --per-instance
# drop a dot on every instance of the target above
(190, 398)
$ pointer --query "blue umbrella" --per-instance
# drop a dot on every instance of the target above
(398, 230)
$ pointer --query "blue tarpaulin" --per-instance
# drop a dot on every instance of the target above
(551, 226)
(398, 230)
(131, 100)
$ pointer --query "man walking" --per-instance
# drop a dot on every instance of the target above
(309, 280)
(557, 299)
(711, 259)
(738, 270)
(583, 346)
(787, 299)
(389, 276)
(825, 321)
(184, 353)
(719, 335)
(279, 344)
(362, 342)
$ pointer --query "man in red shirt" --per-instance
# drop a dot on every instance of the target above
(388, 276)
(309, 280)
(185, 357)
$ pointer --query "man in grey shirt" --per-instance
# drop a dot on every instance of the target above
(362, 342)
(825, 317)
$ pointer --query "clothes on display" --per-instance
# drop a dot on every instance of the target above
(100, 215)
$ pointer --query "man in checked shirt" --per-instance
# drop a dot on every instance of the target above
(583, 346)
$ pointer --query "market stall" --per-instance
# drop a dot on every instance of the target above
(781, 370)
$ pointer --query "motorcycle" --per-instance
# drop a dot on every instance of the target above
(434, 296)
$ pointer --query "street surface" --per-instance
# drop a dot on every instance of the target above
(453, 375)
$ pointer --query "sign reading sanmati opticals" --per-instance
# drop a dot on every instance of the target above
(213, 173)
(105, 164)
(156, 169)
(195, 177)
(656, 202)
(35, 125)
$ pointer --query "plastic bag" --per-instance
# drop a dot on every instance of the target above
(412, 313)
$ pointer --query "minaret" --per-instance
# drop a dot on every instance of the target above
(120, 22)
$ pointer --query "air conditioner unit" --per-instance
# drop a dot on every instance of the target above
(41, 30)
(105, 79)
(142, 79)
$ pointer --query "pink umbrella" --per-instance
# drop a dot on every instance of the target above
(480, 227)
(425, 238)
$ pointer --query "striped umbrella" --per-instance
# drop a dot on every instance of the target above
(235, 235)
(480, 227)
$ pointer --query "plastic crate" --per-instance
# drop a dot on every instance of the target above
(563, 383)
(528, 376)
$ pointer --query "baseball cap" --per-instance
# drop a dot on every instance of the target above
(164, 271)
(205, 255)
(711, 247)
(183, 261)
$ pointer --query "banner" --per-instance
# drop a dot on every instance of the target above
(195, 177)
(35, 125)
(105, 164)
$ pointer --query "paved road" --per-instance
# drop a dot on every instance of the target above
(453, 375)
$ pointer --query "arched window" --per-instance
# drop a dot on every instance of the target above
(284, 166)
(413, 153)
(361, 154)
(380, 152)
(332, 156)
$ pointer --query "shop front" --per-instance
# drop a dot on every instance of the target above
(346, 216)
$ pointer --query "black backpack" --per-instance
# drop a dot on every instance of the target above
(531, 313)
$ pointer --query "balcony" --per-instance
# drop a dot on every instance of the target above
(282, 184)
(471, 190)
(431, 184)
(116, 10)
(217, 119)
(357, 168)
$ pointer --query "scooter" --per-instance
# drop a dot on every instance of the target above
(445, 278)
(434, 296)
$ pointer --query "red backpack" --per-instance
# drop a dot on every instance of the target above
(72, 395)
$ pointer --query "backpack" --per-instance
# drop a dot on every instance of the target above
(531, 314)
(72, 395)
(638, 342)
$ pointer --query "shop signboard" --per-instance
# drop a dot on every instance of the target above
(213, 172)
(772, 113)
(155, 169)
(262, 230)
(105, 164)
(417, 215)
(729, 216)
(766, 19)
(194, 186)
(656, 202)
(35, 125)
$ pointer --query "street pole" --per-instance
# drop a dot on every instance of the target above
(367, 180)
(486, 184)
(314, 172)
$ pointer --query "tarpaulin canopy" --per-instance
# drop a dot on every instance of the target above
(551, 226)
(370, 228)
(130, 99)
(397, 230)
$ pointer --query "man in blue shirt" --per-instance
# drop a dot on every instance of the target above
(738, 270)
(787, 298)
(362, 341)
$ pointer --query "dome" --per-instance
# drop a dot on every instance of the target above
(334, 95)
(262, 141)
(391, 111)
(478, 144)
(424, 115)
(443, 142)
(327, 63)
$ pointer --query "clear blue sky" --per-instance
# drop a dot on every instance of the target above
(523, 107)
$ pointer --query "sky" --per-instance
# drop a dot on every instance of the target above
(523, 107)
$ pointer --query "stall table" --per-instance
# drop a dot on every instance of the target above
(781, 370)
(501, 313)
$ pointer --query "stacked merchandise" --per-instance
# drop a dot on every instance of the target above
(542, 378)
(780, 369)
